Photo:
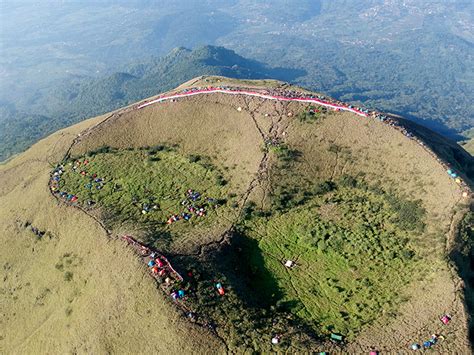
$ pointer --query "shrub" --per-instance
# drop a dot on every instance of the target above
(334, 148)
(221, 202)
(408, 254)
(59, 266)
(348, 181)
(262, 213)
(324, 187)
(194, 158)
(311, 115)
(68, 275)
(466, 234)
(221, 181)
(409, 214)
(159, 148)
(248, 210)
(285, 154)
(101, 150)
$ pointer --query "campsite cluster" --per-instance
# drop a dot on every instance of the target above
(427, 344)
(80, 167)
(321, 100)
(194, 204)
(158, 264)
(169, 279)
(174, 285)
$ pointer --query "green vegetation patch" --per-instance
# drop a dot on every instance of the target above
(157, 190)
(312, 113)
(351, 257)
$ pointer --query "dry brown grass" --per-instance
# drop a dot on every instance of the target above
(469, 146)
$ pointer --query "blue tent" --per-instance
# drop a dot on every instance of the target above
(151, 263)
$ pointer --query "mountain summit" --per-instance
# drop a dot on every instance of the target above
(236, 215)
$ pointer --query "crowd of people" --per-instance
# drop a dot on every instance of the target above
(163, 272)
(159, 266)
(427, 344)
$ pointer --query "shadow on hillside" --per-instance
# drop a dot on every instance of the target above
(253, 306)
(463, 257)
(448, 150)
(238, 264)
(242, 263)
(233, 65)
(433, 125)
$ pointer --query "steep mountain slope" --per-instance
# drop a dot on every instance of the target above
(364, 210)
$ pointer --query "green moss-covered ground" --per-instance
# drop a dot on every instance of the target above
(142, 189)
(352, 258)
